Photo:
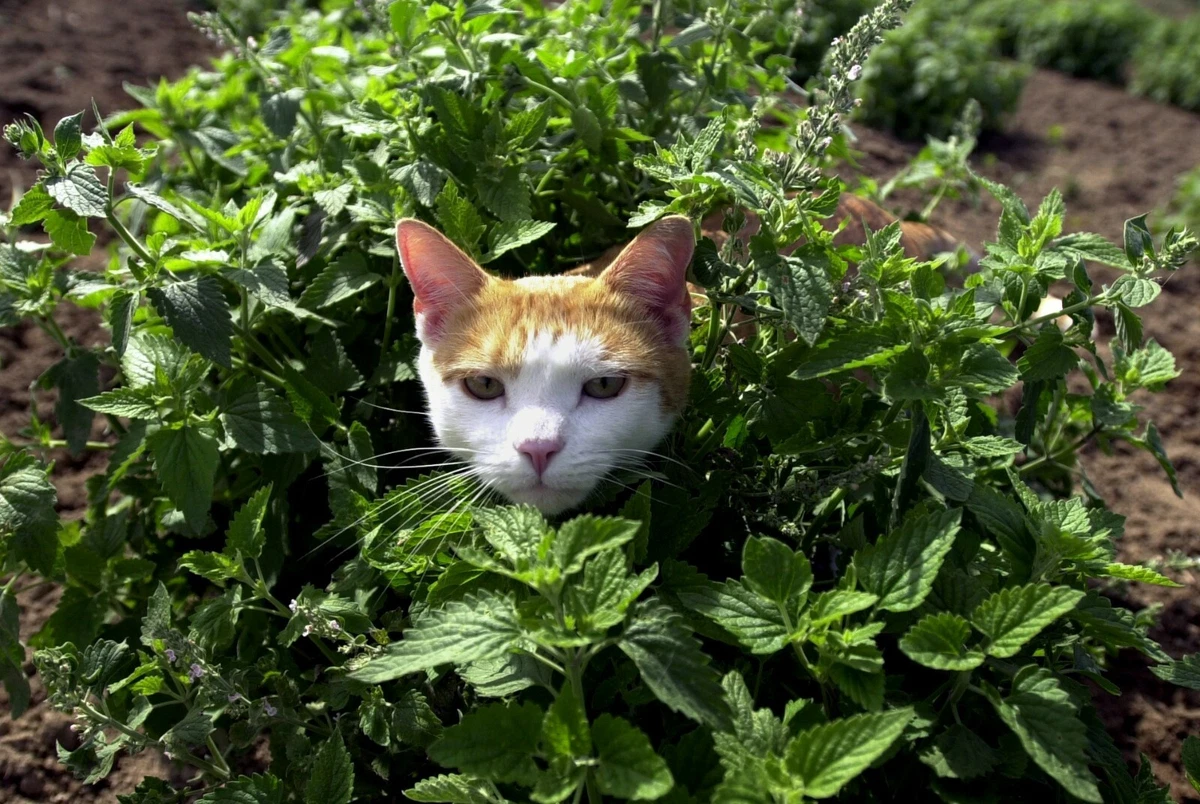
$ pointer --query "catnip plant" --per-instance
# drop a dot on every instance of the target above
(854, 570)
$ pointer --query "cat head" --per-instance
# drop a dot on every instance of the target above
(544, 385)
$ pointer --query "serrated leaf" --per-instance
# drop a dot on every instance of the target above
(526, 127)
(27, 511)
(131, 403)
(459, 219)
(1135, 291)
(1133, 572)
(76, 378)
(256, 789)
(215, 567)
(508, 235)
(153, 199)
(984, 369)
(959, 753)
(496, 742)
(32, 207)
(190, 732)
(475, 628)
(185, 460)
(1047, 358)
(1092, 247)
(68, 136)
(801, 285)
(197, 312)
(334, 200)
(1183, 672)
(908, 378)
(332, 777)
(754, 620)
(450, 788)
(900, 568)
(607, 590)
(80, 191)
(1045, 720)
(584, 536)
(939, 641)
(993, 446)
(1013, 616)
(1191, 761)
(629, 768)
(776, 572)
(245, 532)
(1155, 445)
(261, 421)
(826, 757)
(673, 666)
(506, 195)
(340, 280)
(565, 730)
(587, 127)
(68, 232)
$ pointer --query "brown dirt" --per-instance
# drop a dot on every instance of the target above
(1119, 156)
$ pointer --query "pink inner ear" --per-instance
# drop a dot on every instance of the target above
(443, 278)
(653, 270)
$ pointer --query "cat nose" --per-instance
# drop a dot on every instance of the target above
(540, 451)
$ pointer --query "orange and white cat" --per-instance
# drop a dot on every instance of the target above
(545, 385)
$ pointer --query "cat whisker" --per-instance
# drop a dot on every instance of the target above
(648, 453)
(424, 413)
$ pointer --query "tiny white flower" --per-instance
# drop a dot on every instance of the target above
(855, 72)
(335, 625)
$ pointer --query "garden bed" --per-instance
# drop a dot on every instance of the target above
(1088, 139)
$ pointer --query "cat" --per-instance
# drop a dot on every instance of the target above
(545, 385)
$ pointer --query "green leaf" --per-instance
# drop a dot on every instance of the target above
(801, 285)
(257, 789)
(900, 568)
(153, 199)
(672, 665)
(185, 460)
(450, 788)
(526, 127)
(131, 403)
(826, 757)
(469, 630)
(215, 567)
(1183, 672)
(80, 191)
(261, 421)
(332, 778)
(413, 721)
(340, 280)
(908, 378)
(607, 590)
(959, 753)
(245, 532)
(506, 195)
(496, 742)
(565, 730)
(1191, 761)
(1155, 445)
(32, 207)
(939, 641)
(985, 370)
(629, 768)
(190, 732)
(993, 446)
(197, 312)
(755, 621)
(587, 127)
(460, 222)
(1128, 572)
(1045, 720)
(68, 232)
(506, 236)
(27, 511)
(1135, 291)
(587, 535)
(1013, 616)
(76, 378)
(334, 200)
(776, 572)
(1093, 247)
(1047, 358)
(157, 622)
(68, 136)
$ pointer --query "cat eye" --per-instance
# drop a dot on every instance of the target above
(603, 387)
(482, 387)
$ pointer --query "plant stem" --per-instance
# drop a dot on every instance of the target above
(575, 679)
(1099, 298)
(1067, 450)
(391, 308)
(128, 237)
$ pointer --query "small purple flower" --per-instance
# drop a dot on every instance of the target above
(237, 696)
(171, 657)
(269, 710)
(335, 625)
(195, 671)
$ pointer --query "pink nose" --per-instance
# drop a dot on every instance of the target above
(540, 451)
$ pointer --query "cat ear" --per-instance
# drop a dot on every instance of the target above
(443, 278)
(653, 271)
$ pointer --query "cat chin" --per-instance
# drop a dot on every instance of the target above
(549, 501)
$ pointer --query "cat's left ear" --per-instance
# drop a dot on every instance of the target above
(653, 271)
(443, 278)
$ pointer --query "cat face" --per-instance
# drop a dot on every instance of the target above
(544, 385)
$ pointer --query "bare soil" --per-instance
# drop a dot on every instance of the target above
(1117, 157)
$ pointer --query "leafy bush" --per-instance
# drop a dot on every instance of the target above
(853, 573)
(1167, 64)
(1093, 39)
(920, 79)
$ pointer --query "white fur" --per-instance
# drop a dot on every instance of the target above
(546, 401)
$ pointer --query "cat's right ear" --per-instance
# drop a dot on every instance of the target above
(442, 276)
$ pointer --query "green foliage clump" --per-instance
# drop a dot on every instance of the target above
(920, 79)
(1088, 38)
(852, 573)
(1167, 64)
